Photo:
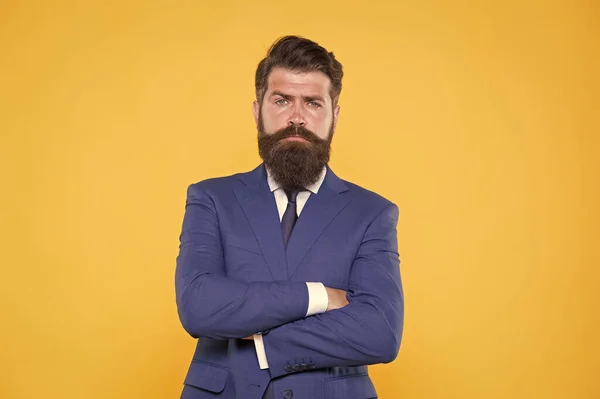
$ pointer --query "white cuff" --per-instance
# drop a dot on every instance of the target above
(260, 351)
(317, 299)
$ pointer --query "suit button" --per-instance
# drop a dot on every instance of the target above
(303, 367)
(311, 366)
(288, 394)
(296, 367)
(288, 369)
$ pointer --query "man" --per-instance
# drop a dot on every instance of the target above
(288, 275)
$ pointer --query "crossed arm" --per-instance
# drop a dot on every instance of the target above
(366, 331)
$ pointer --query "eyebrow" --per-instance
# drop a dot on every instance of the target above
(305, 98)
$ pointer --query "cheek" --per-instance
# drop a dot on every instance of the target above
(323, 125)
(273, 121)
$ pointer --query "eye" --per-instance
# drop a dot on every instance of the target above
(314, 104)
(281, 101)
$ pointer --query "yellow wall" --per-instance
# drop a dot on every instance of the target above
(479, 119)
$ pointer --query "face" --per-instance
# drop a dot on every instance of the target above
(295, 127)
(300, 99)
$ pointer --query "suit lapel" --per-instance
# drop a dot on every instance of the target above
(258, 204)
(319, 211)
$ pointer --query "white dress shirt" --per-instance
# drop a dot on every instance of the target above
(317, 295)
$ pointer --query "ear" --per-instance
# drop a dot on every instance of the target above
(336, 115)
(255, 111)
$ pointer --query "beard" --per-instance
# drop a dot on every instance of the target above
(295, 165)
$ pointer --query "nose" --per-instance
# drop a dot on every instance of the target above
(297, 117)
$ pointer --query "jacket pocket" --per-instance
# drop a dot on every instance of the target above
(207, 376)
(350, 387)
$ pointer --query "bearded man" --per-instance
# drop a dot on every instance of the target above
(287, 275)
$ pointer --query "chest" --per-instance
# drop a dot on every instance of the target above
(326, 257)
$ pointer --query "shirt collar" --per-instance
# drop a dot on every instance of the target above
(313, 188)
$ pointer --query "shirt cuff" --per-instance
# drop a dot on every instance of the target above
(318, 300)
(260, 351)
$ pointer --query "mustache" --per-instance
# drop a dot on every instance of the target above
(295, 131)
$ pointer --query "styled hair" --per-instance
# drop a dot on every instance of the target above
(298, 54)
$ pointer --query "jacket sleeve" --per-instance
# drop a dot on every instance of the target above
(366, 331)
(208, 302)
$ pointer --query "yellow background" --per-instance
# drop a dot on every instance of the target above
(479, 119)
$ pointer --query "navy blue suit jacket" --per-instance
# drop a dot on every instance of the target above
(234, 278)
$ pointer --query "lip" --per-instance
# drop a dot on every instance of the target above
(295, 138)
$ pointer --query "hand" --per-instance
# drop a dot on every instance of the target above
(337, 298)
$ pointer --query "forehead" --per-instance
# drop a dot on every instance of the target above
(298, 83)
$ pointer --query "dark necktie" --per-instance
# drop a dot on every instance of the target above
(289, 217)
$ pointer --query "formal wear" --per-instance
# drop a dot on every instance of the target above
(236, 278)
(317, 296)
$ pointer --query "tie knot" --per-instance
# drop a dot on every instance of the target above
(292, 195)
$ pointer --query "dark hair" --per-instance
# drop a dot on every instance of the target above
(300, 55)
